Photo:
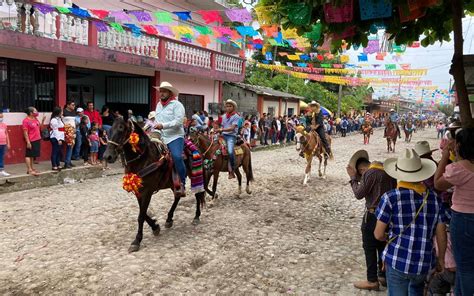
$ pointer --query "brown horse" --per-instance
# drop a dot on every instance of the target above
(367, 131)
(310, 144)
(391, 134)
(215, 162)
(153, 164)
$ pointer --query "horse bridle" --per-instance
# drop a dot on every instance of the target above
(125, 142)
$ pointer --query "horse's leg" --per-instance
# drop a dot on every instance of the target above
(143, 202)
(247, 167)
(239, 180)
(309, 159)
(169, 220)
(154, 226)
(200, 201)
(214, 183)
(325, 166)
(388, 145)
(320, 158)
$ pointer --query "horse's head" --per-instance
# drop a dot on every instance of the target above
(300, 141)
(119, 137)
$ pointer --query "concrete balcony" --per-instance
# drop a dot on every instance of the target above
(62, 35)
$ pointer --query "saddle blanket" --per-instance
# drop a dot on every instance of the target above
(197, 178)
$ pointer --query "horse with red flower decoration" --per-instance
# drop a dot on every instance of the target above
(148, 169)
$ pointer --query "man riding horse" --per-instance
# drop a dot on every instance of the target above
(316, 124)
(394, 118)
(169, 118)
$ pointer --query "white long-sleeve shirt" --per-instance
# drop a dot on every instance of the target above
(171, 117)
(55, 124)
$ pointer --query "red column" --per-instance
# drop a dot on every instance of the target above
(155, 95)
(162, 51)
(260, 105)
(60, 87)
(92, 34)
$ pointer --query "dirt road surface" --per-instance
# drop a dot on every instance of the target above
(284, 238)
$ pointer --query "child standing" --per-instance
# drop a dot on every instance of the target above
(4, 145)
(94, 143)
(103, 139)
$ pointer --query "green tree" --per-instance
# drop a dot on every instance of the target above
(447, 109)
(435, 25)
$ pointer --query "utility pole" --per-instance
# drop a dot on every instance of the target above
(339, 99)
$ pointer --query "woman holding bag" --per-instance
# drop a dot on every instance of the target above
(56, 137)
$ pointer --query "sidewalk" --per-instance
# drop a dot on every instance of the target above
(19, 180)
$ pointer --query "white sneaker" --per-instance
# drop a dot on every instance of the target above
(4, 174)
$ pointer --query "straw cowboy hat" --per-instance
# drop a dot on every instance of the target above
(151, 115)
(423, 147)
(314, 103)
(232, 103)
(358, 155)
(409, 167)
(168, 86)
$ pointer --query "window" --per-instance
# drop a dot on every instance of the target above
(25, 83)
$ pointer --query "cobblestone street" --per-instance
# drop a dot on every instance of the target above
(284, 238)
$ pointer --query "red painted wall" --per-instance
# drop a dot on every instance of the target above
(17, 152)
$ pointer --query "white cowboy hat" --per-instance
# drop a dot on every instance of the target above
(232, 103)
(168, 86)
(151, 115)
(79, 110)
(409, 167)
(454, 125)
(423, 147)
(392, 110)
(358, 155)
(313, 103)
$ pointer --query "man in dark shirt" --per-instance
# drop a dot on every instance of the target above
(316, 123)
(369, 181)
(70, 111)
(263, 130)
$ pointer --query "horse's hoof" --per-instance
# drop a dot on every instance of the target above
(196, 221)
(133, 248)
(156, 231)
(216, 196)
(248, 191)
(169, 224)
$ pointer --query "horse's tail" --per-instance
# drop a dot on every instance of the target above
(201, 197)
(250, 170)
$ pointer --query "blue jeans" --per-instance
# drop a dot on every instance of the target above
(230, 140)
(3, 148)
(401, 284)
(462, 237)
(77, 146)
(67, 159)
(55, 153)
(176, 148)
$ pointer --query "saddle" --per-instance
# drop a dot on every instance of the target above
(223, 146)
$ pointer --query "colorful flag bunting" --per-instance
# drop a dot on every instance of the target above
(44, 8)
(149, 29)
(63, 9)
(120, 16)
(163, 17)
(101, 26)
(100, 13)
(270, 31)
(165, 30)
(183, 15)
(117, 27)
(239, 15)
(210, 16)
(203, 30)
(246, 31)
(142, 16)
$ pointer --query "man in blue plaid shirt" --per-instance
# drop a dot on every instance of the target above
(413, 214)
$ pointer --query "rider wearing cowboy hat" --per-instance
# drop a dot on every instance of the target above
(230, 122)
(394, 118)
(412, 214)
(369, 181)
(169, 117)
(316, 123)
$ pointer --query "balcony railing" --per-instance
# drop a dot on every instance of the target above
(69, 28)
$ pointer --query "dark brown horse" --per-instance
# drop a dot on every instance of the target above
(215, 162)
(152, 163)
(391, 135)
